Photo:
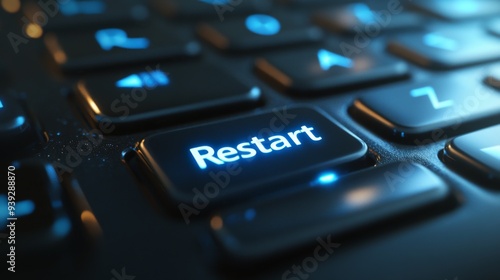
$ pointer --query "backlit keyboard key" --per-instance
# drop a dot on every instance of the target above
(459, 9)
(258, 31)
(84, 14)
(305, 3)
(249, 232)
(309, 71)
(243, 157)
(214, 9)
(152, 96)
(428, 112)
(476, 155)
(360, 18)
(40, 220)
(17, 129)
(444, 49)
(116, 46)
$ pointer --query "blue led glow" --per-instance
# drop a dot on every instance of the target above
(4, 213)
(363, 13)
(255, 92)
(440, 42)
(431, 93)
(114, 37)
(324, 179)
(464, 6)
(61, 227)
(24, 208)
(20, 120)
(215, 2)
(250, 214)
(327, 178)
(493, 151)
(263, 25)
(1, 104)
(75, 7)
(149, 79)
(329, 59)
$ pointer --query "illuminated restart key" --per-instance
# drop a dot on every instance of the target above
(249, 155)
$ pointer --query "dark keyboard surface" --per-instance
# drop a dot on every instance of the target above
(242, 139)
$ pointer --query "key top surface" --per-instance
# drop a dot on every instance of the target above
(476, 154)
(305, 72)
(41, 221)
(428, 112)
(216, 9)
(151, 96)
(249, 232)
(359, 18)
(84, 14)
(116, 45)
(258, 31)
(459, 9)
(446, 48)
(248, 155)
(17, 129)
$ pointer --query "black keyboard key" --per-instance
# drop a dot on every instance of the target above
(151, 96)
(220, 162)
(36, 208)
(448, 48)
(360, 18)
(215, 9)
(428, 112)
(305, 3)
(258, 31)
(113, 46)
(82, 14)
(18, 130)
(476, 154)
(460, 9)
(249, 232)
(317, 70)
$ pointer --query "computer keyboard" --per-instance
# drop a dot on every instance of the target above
(246, 139)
